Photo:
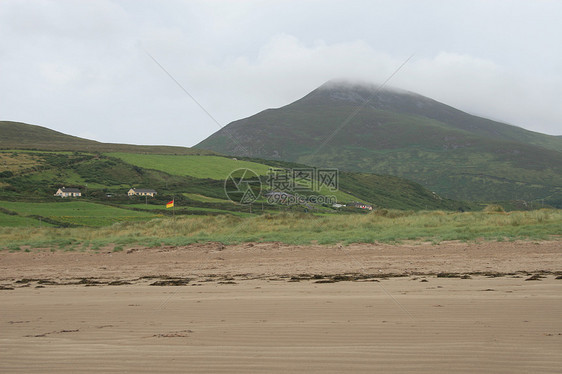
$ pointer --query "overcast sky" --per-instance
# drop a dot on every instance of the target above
(83, 67)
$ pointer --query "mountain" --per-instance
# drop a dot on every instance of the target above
(17, 135)
(357, 127)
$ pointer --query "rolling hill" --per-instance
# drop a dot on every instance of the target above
(31, 171)
(356, 127)
(17, 135)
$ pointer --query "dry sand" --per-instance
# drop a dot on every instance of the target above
(274, 308)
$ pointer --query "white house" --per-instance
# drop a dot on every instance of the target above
(141, 192)
(68, 192)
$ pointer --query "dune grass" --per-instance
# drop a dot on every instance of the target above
(381, 226)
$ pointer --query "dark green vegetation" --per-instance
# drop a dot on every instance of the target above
(383, 191)
(453, 153)
(196, 183)
(29, 180)
(17, 135)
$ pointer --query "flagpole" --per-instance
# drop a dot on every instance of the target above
(174, 207)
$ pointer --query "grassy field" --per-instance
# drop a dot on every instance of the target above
(70, 212)
(8, 220)
(146, 206)
(204, 199)
(212, 167)
(185, 209)
(381, 226)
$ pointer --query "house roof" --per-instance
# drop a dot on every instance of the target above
(145, 190)
(64, 189)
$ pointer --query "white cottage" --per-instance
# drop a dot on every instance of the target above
(141, 192)
(68, 192)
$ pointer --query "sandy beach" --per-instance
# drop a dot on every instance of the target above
(275, 308)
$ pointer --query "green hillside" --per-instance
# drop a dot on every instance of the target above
(194, 179)
(17, 135)
(96, 174)
(357, 128)
(32, 171)
(30, 178)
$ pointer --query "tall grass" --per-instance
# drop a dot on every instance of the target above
(299, 228)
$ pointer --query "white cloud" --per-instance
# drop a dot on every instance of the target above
(80, 66)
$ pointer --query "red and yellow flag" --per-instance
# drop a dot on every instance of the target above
(170, 204)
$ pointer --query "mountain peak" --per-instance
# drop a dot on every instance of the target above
(362, 86)
(362, 93)
(360, 126)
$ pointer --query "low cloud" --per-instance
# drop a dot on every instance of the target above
(82, 67)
